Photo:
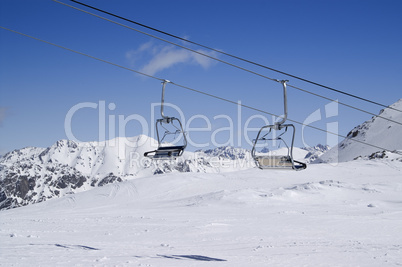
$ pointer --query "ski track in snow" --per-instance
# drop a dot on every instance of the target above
(344, 215)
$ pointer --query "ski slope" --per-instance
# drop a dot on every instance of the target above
(344, 215)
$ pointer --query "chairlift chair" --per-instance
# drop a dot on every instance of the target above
(167, 151)
(271, 161)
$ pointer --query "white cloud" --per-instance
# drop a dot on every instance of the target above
(166, 58)
(205, 62)
(153, 59)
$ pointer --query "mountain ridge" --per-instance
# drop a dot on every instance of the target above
(377, 131)
(31, 175)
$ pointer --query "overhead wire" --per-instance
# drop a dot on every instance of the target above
(77, 52)
(346, 105)
(197, 91)
(225, 62)
(172, 43)
(233, 56)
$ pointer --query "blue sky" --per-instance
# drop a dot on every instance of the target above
(354, 46)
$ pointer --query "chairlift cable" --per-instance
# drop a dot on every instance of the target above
(233, 56)
(266, 112)
(198, 91)
(346, 105)
(233, 65)
(169, 42)
(77, 52)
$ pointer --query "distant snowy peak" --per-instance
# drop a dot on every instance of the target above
(315, 152)
(317, 148)
(307, 154)
(380, 132)
(227, 152)
(18, 154)
(32, 175)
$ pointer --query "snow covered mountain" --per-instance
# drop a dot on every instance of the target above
(306, 154)
(315, 152)
(377, 131)
(228, 152)
(32, 174)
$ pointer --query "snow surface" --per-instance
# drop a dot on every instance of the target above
(344, 215)
(377, 131)
(199, 214)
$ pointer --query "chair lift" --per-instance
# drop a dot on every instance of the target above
(270, 161)
(167, 151)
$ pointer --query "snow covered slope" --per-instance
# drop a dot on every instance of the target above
(377, 131)
(349, 215)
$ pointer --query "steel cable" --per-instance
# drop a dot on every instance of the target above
(233, 65)
(197, 91)
(233, 56)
